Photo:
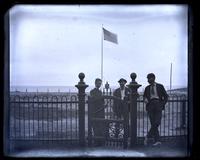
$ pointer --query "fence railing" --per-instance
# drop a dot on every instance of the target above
(55, 118)
(44, 117)
(174, 117)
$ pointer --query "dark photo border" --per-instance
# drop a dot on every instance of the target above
(193, 51)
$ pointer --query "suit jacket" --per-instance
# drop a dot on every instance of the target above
(162, 94)
(117, 93)
(97, 103)
(95, 93)
(119, 104)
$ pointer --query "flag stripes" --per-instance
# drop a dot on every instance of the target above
(109, 36)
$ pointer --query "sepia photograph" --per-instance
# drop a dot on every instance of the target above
(97, 81)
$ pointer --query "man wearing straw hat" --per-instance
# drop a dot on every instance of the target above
(122, 93)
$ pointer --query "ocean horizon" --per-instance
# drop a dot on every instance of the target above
(67, 88)
(45, 88)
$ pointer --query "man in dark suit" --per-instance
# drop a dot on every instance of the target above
(98, 111)
(118, 108)
(155, 97)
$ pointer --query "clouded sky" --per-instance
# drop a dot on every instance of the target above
(51, 45)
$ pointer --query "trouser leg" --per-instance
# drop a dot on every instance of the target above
(155, 115)
(151, 116)
(158, 117)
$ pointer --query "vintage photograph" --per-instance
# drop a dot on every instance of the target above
(97, 81)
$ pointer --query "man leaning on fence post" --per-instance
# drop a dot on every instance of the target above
(155, 97)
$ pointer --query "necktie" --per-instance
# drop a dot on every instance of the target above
(152, 90)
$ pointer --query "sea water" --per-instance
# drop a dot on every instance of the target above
(46, 88)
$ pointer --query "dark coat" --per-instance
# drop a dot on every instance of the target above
(162, 94)
(117, 93)
(97, 103)
(118, 107)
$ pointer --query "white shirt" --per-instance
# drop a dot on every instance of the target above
(122, 93)
(155, 95)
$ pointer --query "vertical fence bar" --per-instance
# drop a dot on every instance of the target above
(76, 118)
(183, 115)
(143, 117)
(89, 122)
(12, 118)
(52, 119)
(125, 124)
(46, 117)
(38, 119)
(161, 124)
(112, 113)
(110, 103)
(164, 122)
(24, 116)
(168, 115)
(15, 116)
(48, 120)
(179, 117)
(138, 122)
(29, 119)
(177, 114)
(66, 120)
(61, 118)
(33, 123)
(187, 120)
(19, 129)
(173, 116)
(42, 118)
(71, 122)
(57, 114)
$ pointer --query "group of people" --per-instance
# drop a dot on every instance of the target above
(155, 98)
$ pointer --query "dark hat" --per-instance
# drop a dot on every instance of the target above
(121, 80)
(151, 75)
(97, 80)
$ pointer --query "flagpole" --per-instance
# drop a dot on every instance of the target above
(102, 56)
(170, 78)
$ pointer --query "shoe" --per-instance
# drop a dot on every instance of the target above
(145, 141)
(157, 143)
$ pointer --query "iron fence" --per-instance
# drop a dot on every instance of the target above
(174, 122)
(44, 117)
(55, 117)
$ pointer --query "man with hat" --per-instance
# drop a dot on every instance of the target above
(123, 94)
(155, 97)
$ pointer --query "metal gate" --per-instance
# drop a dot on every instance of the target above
(108, 121)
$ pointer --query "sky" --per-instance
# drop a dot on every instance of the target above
(51, 45)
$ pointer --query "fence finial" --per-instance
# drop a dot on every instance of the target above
(107, 85)
(81, 77)
(133, 77)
